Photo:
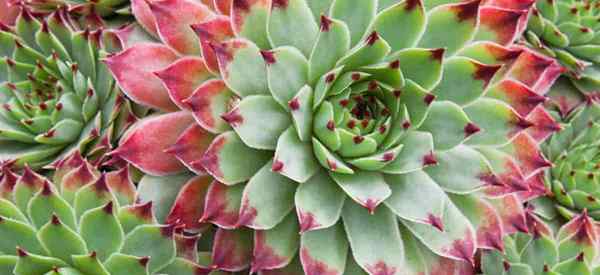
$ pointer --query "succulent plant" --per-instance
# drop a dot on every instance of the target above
(385, 132)
(56, 95)
(572, 183)
(572, 251)
(566, 30)
(8, 13)
(92, 13)
(86, 222)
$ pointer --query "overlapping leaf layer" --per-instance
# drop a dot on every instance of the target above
(87, 223)
(396, 136)
(56, 95)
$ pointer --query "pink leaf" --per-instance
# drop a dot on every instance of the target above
(182, 77)
(173, 21)
(133, 70)
(144, 144)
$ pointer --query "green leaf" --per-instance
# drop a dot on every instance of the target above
(497, 120)
(417, 145)
(89, 264)
(460, 170)
(18, 234)
(371, 50)
(121, 264)
(539, 252)
(242, 67)
(259, 121)
(268, 198)
(292, 17)
(29, 264)
(60, 240)
(162, 192)
(276, 247)
(423, 66)
(357, 15)
(372, 252)
(416, 197)
(319, 202)
(328, 159)
(324, 250)
(295, 157)
(287, 71)
(447, 124)
(333, 41)
(450, 26)
(47, 203)
(303, 114)
(222, 160)
(401, 24)
(368, 189)
(464, 80)
(154, 241)
(102, 231)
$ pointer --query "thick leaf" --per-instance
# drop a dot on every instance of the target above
(287, 71)
(294, 158)
(275, 248)
(292, 16)
(173, 20)
(324, 251)
(401, 24)
(452, 24)
(133, 69)
(267, 199)
(357, 15)
(242, 66)
(182, 77)
(222, 160)
(319, 202)
(367, 189)
(102, 231)
(151, 241)
(158, 132)
(232, 249)
(162, 192)
(373, 253)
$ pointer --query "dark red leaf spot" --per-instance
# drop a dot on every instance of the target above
(372, 38)
(358, 139)
(411, 4)
(330, 78)
(268, 56)
(406, 124)
(373, 85)
(108, 208)
(371, 205)
(382, 129)
(331, 125)
(436, 222)
(344, 102)
(351, 124)
(234, 118)
(241, 5)
(277, 166)
(485, 72)
(294, 104)
(428, 99)
(523, 123)
(429, 159)
(46, 189)
(397, 93)
(471, 129)
(21, 252)
(144, 261)
(356, 76)
(332, 165)
(325, 23)
(280, 4)
(437, 54)
(466, 11)
(55, 220)
(506, 265)
(395, 64)
(389, 156)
